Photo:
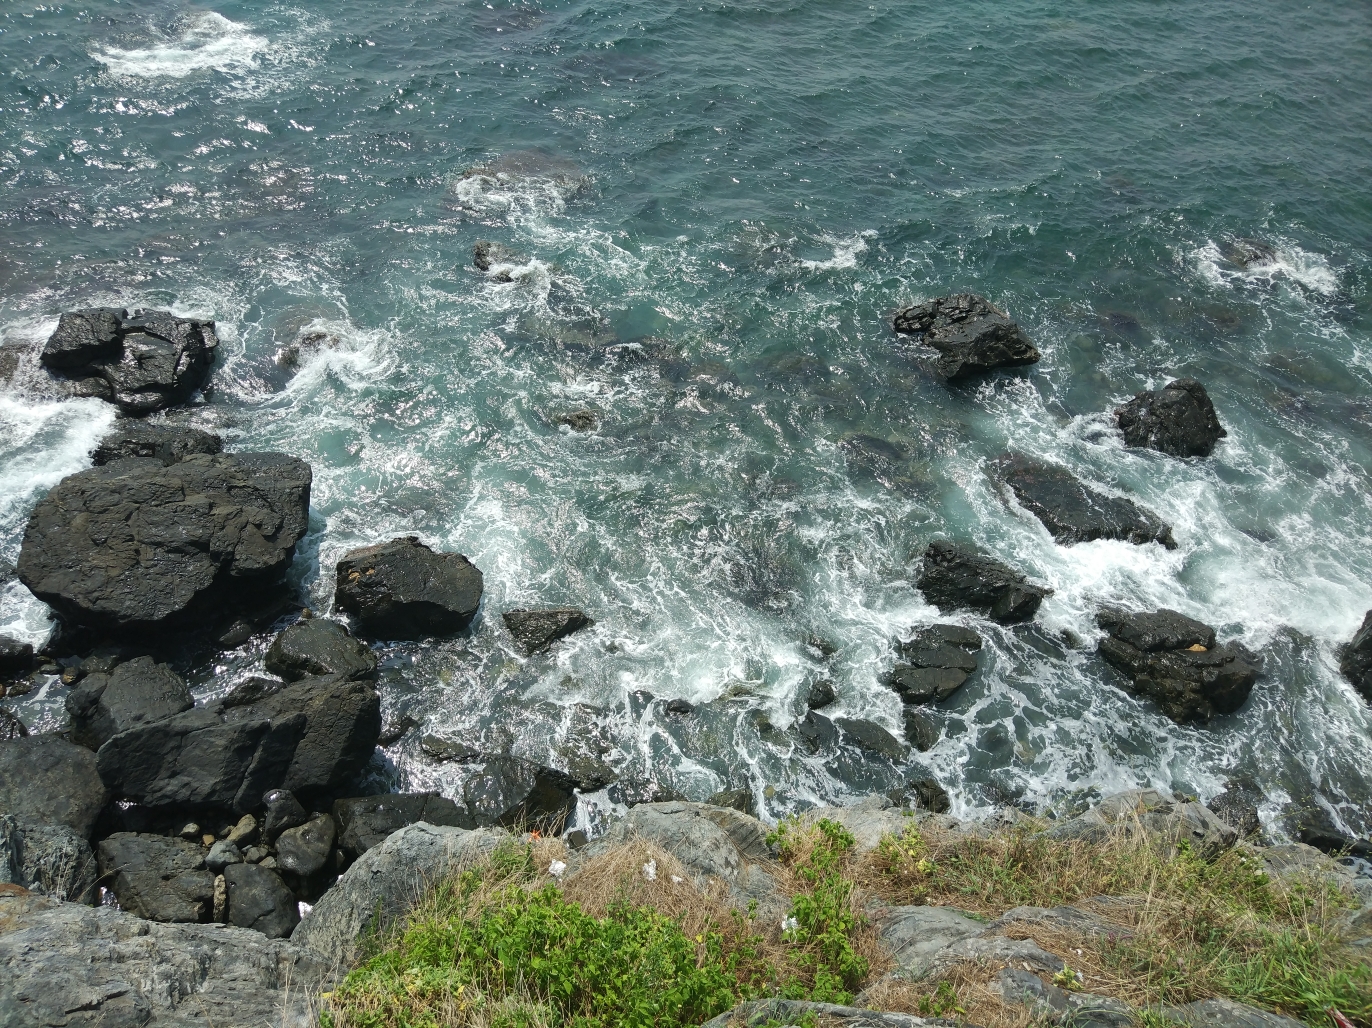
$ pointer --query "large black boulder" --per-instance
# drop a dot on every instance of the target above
(1075, 513)
(136, 692)
(1237, 806)
(46, 779)
(871, 737)
(136, 545)
(937, 660)
(971, 335)
(143, 362)
(304, 850)
(1174, 661)
(538, 629)
(1356, 659)
(1178, 419)
(157, 878)
(366, 821)
(511, 792)
(956, 578)
(166, 443)
(258, 899)
(404, 590)
(317, 646)
(816, 732)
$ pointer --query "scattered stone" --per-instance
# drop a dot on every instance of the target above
(70, 676)
(190, 832)
(954, 578)
(510, 792)
(1178, 419)
(679, 707)
(157, 878)
(1173, 660)
(1237, 806)
(404, 590)
(16, 658)
(258, 899)
(937, 661)
(166, 443)
(45, 779)
(1149, 812)
(971, 335)
(135, 693)
(870, 736)
(816, 732)
(135, 545)
(366, 821)
(737, 799)
(305, 850)
(145, 362)
(319, 647)
(283, 811)
(821, 695)
(49, 859)
(10, 725)
(579, 420)
(1073, 512)
(1355, 662)
(535, 630)
(221, 855)
(243, 831)
(921, 731)
(255, 854)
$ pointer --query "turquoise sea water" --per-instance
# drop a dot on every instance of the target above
(710, 211)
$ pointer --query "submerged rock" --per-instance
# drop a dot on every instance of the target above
(537, 629)
(317, 646)
(816, 732)
(1173, 660)
(1178, 419)
(921, 731)
(820, 694)
(47, 780)
(404, 590)
(137, 692)
(937, 660)
(166, 443)
(143, 362)
(136, 545)
(579, 420)
(1355, 662)
(157, 878)
(366, 821)
(970, 334)
(1075, 513)
(954, 578)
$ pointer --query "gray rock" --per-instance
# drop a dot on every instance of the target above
(871, 737)
(997, 950)
(366, 821)
(1148, 812)
(869, 820)
(136, 545)
(921, 731)
(385, 882)
(1178, 419)
(935, 663)
(739, 799)
(404, 590)
(305, 850)
(1355, 662)
(820, 694)
(258, 899)
(509, 792)
(536, 630)
(221, 855)
(318, 646)
(50, 859)
(970, 334)
(10, 725)
(759, 1012)
(166, 443)
(157, 878)
(137, 692)
(1225, 1013)
(914, 936)
(119, 971)
(1081, 1009)
(1075, 513)
(816, 732)
(954, 578)
(46, 780)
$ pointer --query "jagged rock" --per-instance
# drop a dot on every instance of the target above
(157, 878)
(283, 811)
(1178, 419)
(1173, 660)
(221, 855)
(486, 254)
(509, 791)
(1055, 1005)
(137, 692)
(971, 335)
(305, 850)
(317, 646)
(1314, 826)
(404, 590)
(258, 899)
(47, 780)
(741, 800)
(679, 707)
(384, 882)
(928, 793)
(16, 658)
(820, 694)
(50, 859)
(954, 578)
(870, 736)
(758, 1013)
(1355, 662)
(135, 545)
(921, 731)
(366, 821)
(166, 443)
(1074, 513)
(116, 971)
(538, 629)
(10, 725)
(579, 420)
(915, 935)
(1148, 811)
(1237, 806)
(937, 660)
(816, 732)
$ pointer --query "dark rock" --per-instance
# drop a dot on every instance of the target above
(1356, 659)
(166, 443)
(102, 662)
(135, 545)
(283, 811)
(510, 792)
(1247, 253)
(737, 799)
(144, 362)
(1314, 826)
(157, 878)
(221, 855)
(869, 736)
(579, 420)
(921, 731)
(51, 859)
(816, 732)
(679, 707)
(1074, 513)
(305, 850)
(394, 727)
(1192, 680)
(135, 693)
(486, 254)
(404, 590)
(929, 794)
(1178, 419)
(440, 748)
(239, 632)
(1237, 806)
(537, 629)
(954, 578)
(10, 725)
(259, 899)
(820, 695)
(970, 334)
(823, 647)
(318, 646)
(938, 659)
(366, 821)
(16, 658)
(47, 780)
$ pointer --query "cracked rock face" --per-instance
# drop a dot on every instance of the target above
(971, 335)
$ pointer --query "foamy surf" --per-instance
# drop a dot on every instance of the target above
(204, 42)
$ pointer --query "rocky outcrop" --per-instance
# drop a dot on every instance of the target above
(820, 694)
(143, 362)
(157, 878)
(1074, 513)
(166, 443)
(47, 780)
(936, 661)
(136, 545)
(971, 336)
(117, 970)
(816, 732)
(258, 899)
(1149, 812)
(304, 850)
(956, 578)
(137, 692)
(536, 630)
(48, 858)
(1178, 419)
(871, 738)
(1355, 662)
(1174, 661)
(317, 646)
(921, 731)
(404, 590)
(509, 792)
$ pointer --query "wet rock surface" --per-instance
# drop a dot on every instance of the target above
(871, 737)
(1178, 419)
(971, 335)
(1237, 806)
(536, 630)
(936, 661)
(137, 692)
(318, 646)
(366, 821)
(16, 658)
(404, 590)
(168, 444)
(46, 779)
(157, 878)
(1355, 662)
(509, 791)
(953, 577)
(1075, 513)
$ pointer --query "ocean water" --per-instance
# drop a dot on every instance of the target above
(707, 214)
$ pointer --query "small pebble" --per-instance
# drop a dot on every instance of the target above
(191, 832)
(207, 839)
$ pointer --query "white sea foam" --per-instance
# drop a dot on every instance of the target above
(203, 42)
(1311, 271)
(846, 251)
